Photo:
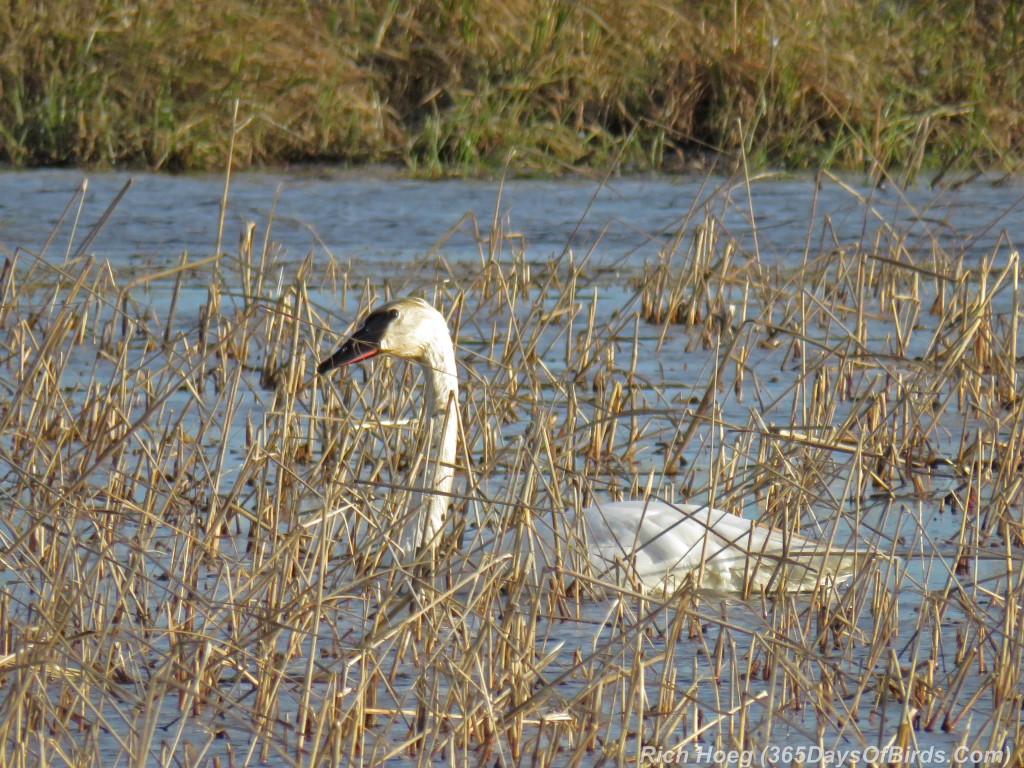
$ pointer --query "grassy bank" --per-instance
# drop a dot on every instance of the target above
(456, 86)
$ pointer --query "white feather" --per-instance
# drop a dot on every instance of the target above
(648, 543)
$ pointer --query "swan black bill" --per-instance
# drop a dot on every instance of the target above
(349, 352)
(363, 344)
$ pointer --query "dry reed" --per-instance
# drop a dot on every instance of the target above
(173, 594)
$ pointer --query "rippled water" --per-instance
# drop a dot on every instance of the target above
(374, 226)
(378, 219)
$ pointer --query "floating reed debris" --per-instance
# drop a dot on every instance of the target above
(196, 534)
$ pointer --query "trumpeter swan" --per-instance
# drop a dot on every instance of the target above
(659, 544)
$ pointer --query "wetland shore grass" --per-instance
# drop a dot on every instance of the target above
(166, 600)
(466, 87)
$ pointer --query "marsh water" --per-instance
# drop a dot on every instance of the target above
(380, 219)
(354, 229)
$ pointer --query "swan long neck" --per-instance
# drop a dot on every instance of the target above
(442, 414)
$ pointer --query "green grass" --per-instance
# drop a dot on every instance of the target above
(462, 87)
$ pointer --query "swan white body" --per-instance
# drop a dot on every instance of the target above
(647, 543)
(658, 545)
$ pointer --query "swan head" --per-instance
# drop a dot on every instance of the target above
(407, 327)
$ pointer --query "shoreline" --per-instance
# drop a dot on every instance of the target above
(467, 89)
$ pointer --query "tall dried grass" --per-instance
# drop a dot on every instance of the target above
(172, 593)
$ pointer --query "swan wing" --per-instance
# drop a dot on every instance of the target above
(661, 544)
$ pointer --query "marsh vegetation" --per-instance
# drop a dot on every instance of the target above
(463, 87)
(170, 594)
